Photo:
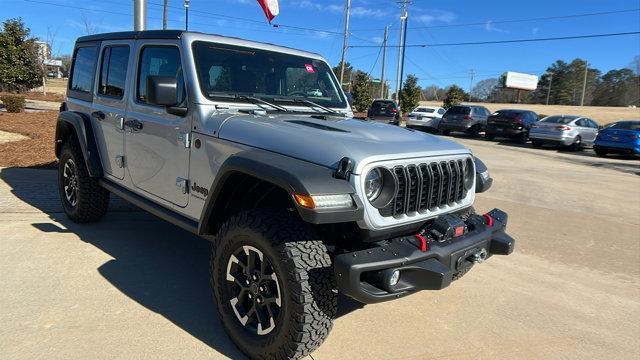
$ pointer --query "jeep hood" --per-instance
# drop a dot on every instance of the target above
(325, 142)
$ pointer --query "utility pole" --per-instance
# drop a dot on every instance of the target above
(584, 82)
(384, 57)
(186, 15)
(164, 15)
(472, 74)
(344, 44)
(549, 88)
(139, 15)
(403, 40)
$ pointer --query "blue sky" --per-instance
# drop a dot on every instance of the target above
(441, 66)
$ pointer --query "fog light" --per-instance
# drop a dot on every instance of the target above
(395, 277)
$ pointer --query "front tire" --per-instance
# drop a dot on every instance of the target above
(83, 199)
(489, 137)
(536, 144)
(273, 284)
(600, 152)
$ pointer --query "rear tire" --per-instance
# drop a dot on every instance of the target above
(445, 132)
(536, 144)
(577, 144)
(523, 138)
(474, 131)
(296, 271)
(489, 137)
(83, 199)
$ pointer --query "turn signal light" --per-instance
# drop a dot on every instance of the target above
(304, 201)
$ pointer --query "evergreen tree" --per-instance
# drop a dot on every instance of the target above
(19, 65)
(410, 94)
(361, 91)
(455, 96)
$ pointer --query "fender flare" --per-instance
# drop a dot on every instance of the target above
(70, 122)
(290, 174)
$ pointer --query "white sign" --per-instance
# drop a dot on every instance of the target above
(521, 81)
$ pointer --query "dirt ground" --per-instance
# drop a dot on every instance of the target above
(133, 286)
(601, 114)
(37, 148)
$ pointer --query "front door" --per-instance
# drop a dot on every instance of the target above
(156, 142)
(109, 106)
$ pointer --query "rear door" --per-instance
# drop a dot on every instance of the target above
(109, 106)
(156, 142)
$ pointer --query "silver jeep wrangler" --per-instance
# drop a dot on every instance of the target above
(254, 147)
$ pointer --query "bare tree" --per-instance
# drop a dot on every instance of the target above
(89, 27)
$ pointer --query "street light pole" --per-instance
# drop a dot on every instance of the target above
(164, 15)
(403, 39)
(186, 16)
(344, 44)
(384, 57)
(549, 88)
(584, 82)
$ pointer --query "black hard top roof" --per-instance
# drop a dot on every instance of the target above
(123, 35)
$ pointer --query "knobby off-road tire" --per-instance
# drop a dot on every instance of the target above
(83, 199)
(293, 255)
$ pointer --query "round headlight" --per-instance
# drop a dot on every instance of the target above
(373, 184)
(469, 174)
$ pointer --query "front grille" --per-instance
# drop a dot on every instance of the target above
(425, 187)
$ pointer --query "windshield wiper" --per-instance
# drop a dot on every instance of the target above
(253, 100)
(312, 105)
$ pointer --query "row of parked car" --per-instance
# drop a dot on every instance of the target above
(570, 131)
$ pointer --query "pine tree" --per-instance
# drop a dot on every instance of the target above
(410, 94)
(361, 91)
(455, 96)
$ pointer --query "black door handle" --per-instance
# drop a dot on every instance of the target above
(98, 115)
(134, 124)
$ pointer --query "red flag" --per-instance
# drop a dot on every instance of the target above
(270, 7)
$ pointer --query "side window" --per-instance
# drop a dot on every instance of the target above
(159, 61)
(113, 71)
(593, 124)
(582, 123)
(84, 69)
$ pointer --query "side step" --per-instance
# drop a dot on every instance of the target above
(151, 207)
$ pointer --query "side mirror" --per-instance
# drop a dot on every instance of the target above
(600, 127)
(162, 90)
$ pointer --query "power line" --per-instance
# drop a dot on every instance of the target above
(507, 21)
(511, 41)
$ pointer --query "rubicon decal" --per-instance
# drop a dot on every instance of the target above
(199, 189)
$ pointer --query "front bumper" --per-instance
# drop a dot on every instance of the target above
(363, 275)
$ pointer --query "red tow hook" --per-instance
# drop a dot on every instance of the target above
(489, 219)
(423, 242)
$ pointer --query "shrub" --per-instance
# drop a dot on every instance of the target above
(13, 103)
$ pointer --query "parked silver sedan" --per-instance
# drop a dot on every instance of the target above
(571, 131)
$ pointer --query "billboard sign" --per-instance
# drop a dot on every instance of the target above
(521, 81)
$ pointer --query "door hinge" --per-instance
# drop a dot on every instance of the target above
(120, 161)
(185, 139)
(182, 184)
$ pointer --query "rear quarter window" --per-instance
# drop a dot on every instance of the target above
(83, 72)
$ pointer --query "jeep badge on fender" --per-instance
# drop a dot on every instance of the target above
(303, 201)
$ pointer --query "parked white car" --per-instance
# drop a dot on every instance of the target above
(425, 117)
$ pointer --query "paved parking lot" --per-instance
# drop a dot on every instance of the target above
(133, 286)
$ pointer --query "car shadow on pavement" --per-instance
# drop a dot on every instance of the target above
(156, 264)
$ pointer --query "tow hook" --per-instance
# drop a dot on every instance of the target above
(478, 256)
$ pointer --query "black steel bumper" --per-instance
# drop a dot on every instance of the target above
(364, 275)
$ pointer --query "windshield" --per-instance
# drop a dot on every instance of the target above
(558, 119)
(272, 76)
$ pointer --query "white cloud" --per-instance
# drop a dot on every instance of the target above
(356, 11)
(430, 16)
(488, 26)
(377, 39)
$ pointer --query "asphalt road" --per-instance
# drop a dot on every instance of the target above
(133, 286)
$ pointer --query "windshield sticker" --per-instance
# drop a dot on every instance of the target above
(309, 68)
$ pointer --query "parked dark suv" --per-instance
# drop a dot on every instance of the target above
(469, 119)
(510, 123)
(384, 111)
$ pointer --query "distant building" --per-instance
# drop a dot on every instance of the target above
(53, 68)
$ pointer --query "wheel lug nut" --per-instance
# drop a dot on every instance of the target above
(259, 300)
(250, 296)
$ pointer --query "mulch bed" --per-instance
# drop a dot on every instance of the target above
(32, 95)
(38, 150)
